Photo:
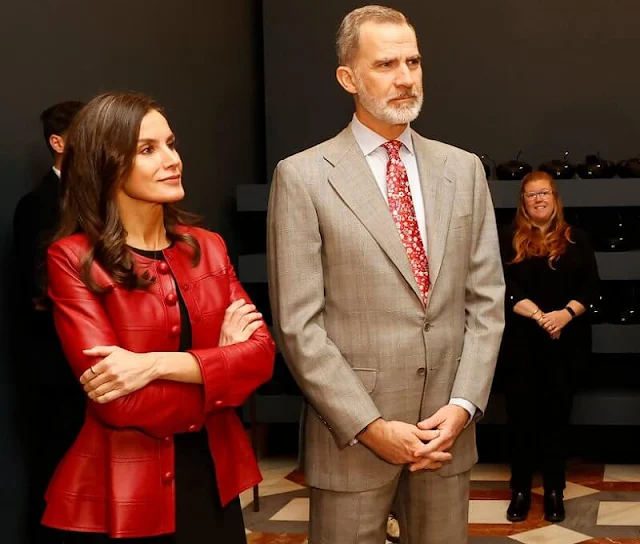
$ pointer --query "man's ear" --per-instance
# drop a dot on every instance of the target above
(346, 78)
(57, 143)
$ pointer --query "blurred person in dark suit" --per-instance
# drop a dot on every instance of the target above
(43, 366)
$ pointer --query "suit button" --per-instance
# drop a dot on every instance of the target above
(167, 440)
(218, 403)
(171, 299)
(193, 428)
(167, 477)
(426, 326)
(421, 371)
(163, 267)
(174, 331)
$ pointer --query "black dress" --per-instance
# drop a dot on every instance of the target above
(200, 517)
(539, 373)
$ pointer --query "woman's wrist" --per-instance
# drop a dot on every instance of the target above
(156, 368)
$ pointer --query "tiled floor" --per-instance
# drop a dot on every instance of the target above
(602, 502)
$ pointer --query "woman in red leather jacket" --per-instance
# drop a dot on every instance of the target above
(161, 336)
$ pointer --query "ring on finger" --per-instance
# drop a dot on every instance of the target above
(93, 371)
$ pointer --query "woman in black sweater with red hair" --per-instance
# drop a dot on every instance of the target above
(551, 278)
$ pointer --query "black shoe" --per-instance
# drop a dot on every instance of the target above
(519, 505)
(553, 506)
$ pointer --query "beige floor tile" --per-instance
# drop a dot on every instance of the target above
(490, 472)
(621, 473)
(488, 511)
(618, 513)
(270, 463)
(295, 510)
(553, 534)
(572, 491)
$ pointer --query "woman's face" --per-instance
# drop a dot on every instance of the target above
(539, 201)
(156, 174)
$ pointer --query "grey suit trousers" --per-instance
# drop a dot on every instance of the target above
(431, 509)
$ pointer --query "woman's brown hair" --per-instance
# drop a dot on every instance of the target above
(529, 240)
(99, 153)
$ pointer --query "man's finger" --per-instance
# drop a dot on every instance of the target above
(427, 436)
(430, 423)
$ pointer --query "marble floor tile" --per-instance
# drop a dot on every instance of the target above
(618, 513)
(572, 491)
(488, 511)
(489, 472)
(621, 473)
(553, 534)
(295, 510)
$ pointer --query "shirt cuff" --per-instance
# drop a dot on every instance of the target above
(468, 406)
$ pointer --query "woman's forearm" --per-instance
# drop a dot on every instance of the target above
(527, 308)
(577, 307)
(176, 366)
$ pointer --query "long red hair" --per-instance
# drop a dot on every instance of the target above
(528, 239)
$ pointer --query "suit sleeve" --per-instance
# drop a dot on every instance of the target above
(296, 291)
(231, 373)
(161, 408)
(25, 243)
(484, 301)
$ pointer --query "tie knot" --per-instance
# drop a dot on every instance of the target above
(393, 147)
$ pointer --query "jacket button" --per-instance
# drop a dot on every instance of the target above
(421, 371)
(167, 477)
(163, 267)
(218, 403)
(174, 331)
(167, 440)
(426, 326)
(171, 299)
(193, 428)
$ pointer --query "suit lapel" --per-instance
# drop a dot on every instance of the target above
(353, 180)
(438, 193)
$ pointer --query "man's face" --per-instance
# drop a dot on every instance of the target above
(388, 73)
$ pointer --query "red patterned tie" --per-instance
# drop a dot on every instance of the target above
(404, 216)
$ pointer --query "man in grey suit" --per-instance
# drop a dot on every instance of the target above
(387, 292)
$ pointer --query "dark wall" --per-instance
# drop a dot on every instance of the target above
(202, 62)
(540, 75)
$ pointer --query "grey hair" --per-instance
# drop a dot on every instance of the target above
(348, 39)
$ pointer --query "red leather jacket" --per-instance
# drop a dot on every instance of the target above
(117, 478)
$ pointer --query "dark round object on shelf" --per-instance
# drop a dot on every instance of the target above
(629, 315)
(487, 162)
(597, 310)
(629, 168)
(594, 167)
(559, 168)
(612, 229)
(514, 169)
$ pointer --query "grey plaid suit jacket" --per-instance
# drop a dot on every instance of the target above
(347, 310)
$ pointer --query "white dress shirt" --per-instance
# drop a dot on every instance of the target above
(370, 143)
(56, 171)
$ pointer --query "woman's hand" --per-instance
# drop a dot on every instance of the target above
(117, 373)
(554, 322)
(240, 321)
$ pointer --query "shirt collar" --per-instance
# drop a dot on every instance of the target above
(369, 140)
(57, 172)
